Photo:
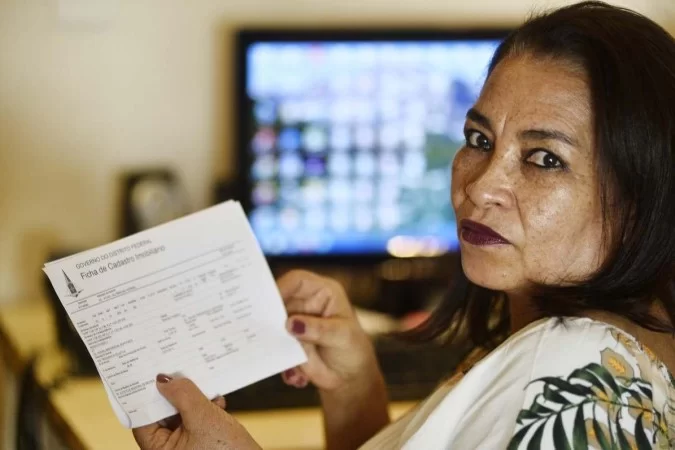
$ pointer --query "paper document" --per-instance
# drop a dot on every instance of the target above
(193, 297)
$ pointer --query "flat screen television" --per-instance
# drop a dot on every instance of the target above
(345, 138)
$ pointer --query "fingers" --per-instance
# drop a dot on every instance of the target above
(175, 421)
(299, 283)
(185, 396)
(308, 293)
(219, 402)
(320, 303)
(295, 377)
(324, 331)
(171, 422)
(149, 435)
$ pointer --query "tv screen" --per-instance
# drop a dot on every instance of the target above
(346, 139)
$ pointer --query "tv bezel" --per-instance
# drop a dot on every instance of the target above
(242, 112)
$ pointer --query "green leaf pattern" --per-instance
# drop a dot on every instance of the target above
(605, 405)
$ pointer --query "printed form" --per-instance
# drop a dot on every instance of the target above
(193, 297)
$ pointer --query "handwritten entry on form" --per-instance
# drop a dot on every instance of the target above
(193, 297)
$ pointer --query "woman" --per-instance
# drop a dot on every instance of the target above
(565, 200)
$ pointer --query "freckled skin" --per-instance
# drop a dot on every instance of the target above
(551, 217)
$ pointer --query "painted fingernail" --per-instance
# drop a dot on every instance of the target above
(298, 327)
(302, 382)
(290, 373)
(161, 378)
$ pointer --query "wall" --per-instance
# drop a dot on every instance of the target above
(89, 87)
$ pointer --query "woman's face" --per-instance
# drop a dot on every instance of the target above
(527, 172)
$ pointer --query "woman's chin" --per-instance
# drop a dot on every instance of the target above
(488, 276)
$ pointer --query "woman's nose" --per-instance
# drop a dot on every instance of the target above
(491, 185)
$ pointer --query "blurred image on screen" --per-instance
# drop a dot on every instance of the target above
(350, 143)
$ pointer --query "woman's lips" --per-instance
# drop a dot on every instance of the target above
(478, 234)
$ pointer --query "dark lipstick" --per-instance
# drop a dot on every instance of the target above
(479, 234)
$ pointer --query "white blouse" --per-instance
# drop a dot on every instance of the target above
(581, 384)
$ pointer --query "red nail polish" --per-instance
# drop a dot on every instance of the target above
(161, 378)
(290, 373)
(298, 327)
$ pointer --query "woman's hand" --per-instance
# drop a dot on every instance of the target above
(203, 425)
(341, 359)
(339, 352)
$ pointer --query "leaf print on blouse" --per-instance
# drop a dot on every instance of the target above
(642, 353)
(599, 406)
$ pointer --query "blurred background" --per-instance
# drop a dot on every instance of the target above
(116, 115)
(89, 88)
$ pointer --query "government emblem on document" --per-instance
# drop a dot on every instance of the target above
(71, 286)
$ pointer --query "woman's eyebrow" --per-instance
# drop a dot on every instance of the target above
(538, 133)
(543, 134)
(479, 118)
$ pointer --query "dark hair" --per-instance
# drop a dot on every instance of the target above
(630, 64)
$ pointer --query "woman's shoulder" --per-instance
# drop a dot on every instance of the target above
(561, 346)
(617, 386)
(559, 342)
(575, 383)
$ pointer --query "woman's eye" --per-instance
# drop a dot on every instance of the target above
(476, 139)
(545, 159)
